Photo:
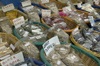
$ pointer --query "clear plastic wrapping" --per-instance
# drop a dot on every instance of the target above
(72, 59)
(32, 13)
(5, 25)
(28, 48)
(63, 56)
(34, 32)
(52, 6)
(62, 35)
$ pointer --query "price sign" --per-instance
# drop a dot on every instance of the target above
(46, 13)
(8, 7)
(26, 3)
(14, 59)
(49, 45)
(65, 9)
(19, 21)
(44, 1)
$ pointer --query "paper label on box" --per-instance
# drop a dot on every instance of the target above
(19, 21)
(49, 45)
(26, 3)
(46, 13)
(65, 9)
(44, 1)
(91, 20)
(12, 46)
(8, 7)
(14, 59)
(96, 2)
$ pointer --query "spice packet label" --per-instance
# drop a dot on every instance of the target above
(62, 48)
(66, 9)
(12, 46)
(96, 2)
(46, 13)
(91, 20)
(58, 30)
(73, 57)
(48, 46)
(2, 58)
(8, 7)
(44, 1)
(75, 31)
(59, 62)
(54, 56)
(19, 21)
(27, 44)
(24, 65)
(14, 59)
(26, 34)
(26, 3)
(0, 40)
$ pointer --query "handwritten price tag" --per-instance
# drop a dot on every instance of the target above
(8, 7)
(46, 13)
(65, 9)
(49, 45)
(19, 21)
(26, 3)
(14, 59)
(45, 1)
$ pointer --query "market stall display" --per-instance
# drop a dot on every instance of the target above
(66, 24)
(36, 32)
(38, 8)
(87, 39)
(6, 40)
(81, 53)
(13, 14)
(84, 15)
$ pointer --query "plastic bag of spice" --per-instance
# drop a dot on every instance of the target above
(5, 25)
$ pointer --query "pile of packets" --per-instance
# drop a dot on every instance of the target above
(46, 24)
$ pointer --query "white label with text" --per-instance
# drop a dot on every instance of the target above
(14, 59)
(49, 45)
(46, 13)
(8, 7)
(44, 1)
(26, 3)
(19, 21)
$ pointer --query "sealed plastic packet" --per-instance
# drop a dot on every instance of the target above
(34, 32)
(32, 13)
(5, 25)
(73, 59)
(52, 6)
(64, 37)
(28, 48)
(63, 49)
